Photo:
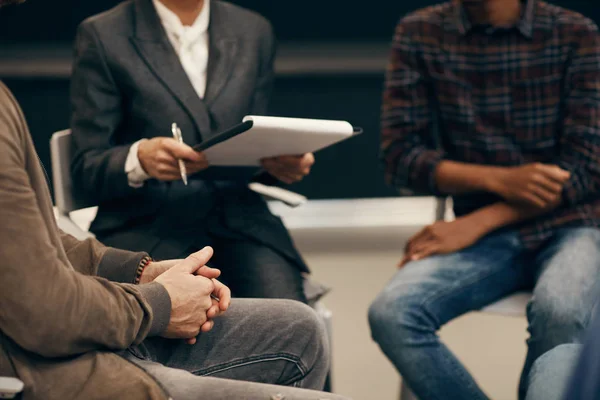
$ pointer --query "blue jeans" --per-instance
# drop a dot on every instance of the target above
(424, 295)
(551, 373)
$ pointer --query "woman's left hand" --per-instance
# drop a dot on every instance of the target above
(289, 169)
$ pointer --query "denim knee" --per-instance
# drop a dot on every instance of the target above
(554, 316)
(550, 373)
(399, 316)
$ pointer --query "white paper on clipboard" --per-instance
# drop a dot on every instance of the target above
(277, 136)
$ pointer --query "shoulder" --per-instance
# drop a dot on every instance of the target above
(116, 21)
(426, 20)
(564, 20)
(241, 21)
(12, 121)
(10, 112)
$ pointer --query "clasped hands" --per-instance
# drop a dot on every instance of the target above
(534, 186)
(194, 289)
(159, 159)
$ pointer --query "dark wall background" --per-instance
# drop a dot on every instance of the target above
(349, 170)
(293, 20)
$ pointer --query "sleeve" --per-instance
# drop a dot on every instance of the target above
(47, 307)
(580, 142)
(98, 164)
(90, 257)
(262, 92)
(406, 119)
(136, 176)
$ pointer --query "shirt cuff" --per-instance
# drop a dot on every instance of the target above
(136, 176)
(577, 187)
(423, 171)
(158, 298)
(120, 265)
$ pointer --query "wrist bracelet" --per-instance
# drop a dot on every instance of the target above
(140, 269)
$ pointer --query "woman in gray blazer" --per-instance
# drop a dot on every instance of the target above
(204, 65)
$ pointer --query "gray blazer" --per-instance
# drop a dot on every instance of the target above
(128, 84)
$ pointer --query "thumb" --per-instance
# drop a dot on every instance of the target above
(195, 261)
(185, 152)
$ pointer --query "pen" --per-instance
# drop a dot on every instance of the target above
(177, 136)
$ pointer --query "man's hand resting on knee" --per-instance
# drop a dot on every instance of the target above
(448, 237)
(192, 307)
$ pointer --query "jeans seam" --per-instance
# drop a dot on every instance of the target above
(253, 360)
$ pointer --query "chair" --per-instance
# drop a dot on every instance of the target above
(68, 200)
(10, 387)
(513, 305)
(65, 198)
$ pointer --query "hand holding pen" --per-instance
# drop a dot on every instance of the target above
(159, 157)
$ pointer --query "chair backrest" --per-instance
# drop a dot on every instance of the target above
(65, 197)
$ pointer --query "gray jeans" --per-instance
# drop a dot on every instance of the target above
(260, 349)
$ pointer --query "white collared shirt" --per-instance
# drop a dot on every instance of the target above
(191, 45)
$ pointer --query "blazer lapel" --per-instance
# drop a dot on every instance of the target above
(153, 46)
(222, 52)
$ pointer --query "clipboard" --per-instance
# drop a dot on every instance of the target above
(224, 136)
(271, 137)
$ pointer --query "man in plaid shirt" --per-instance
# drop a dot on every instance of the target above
(496, 103)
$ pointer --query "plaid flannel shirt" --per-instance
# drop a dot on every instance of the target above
(496, 97)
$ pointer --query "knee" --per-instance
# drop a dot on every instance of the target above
(380, 315)
(556, 315)
(310, 325)
(399, 316)
(550, 373)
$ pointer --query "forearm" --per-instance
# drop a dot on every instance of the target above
(454, 178)
(72, 313)
(501, 214)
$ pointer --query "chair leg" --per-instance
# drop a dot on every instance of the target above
(328, 385)
(406, 393)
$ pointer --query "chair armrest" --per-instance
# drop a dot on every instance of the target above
(291, 199)
(68, 226)
(514, 305)
(10, 387)
(440, 207)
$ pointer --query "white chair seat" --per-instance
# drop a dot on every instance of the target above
(513, 306)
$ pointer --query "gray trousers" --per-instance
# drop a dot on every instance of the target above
(259, 350)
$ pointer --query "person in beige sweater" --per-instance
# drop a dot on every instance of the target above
(79, 320)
